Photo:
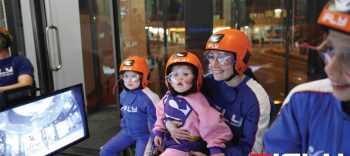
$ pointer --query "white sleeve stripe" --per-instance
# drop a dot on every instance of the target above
(264, 110)
(323, 85)
(148, 150)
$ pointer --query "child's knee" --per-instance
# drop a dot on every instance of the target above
(105, 151)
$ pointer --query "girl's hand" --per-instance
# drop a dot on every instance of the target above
(176, 133)
(158, 141)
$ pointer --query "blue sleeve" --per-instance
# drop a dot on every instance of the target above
(248, 131)
(25, 67)
(286, 132)
(151, 116)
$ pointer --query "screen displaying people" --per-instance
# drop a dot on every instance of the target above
(44, 124)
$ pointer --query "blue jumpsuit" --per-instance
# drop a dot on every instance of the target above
(246, 109)
(312, 121)
(139, 116)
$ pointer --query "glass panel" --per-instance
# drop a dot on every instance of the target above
(104, 44)
(2, 14)
(265, 29)
(307, 65)
(105, 51)
(159, 48)
(86, 41)
(156, 46)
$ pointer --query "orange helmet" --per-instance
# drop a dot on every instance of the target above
(137, 64)
(185, 57)
(336, 15)
(232, 41)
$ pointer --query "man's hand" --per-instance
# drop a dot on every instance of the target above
(176, 133)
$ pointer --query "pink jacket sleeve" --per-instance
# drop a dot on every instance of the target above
(159, 127)
(212, 127)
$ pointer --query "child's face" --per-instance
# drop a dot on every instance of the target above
(131, 80)
(180, 78)
(338, 64)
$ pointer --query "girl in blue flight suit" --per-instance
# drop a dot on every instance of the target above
(138, 110)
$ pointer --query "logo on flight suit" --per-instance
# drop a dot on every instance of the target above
(235, 120)
(130, 109)
(177, 109)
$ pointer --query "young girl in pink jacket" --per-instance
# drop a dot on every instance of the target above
(184, 103)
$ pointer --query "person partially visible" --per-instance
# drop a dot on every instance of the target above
(315, 118)
(138, 110)
(184, 103)
(15, 71)
(232, 89)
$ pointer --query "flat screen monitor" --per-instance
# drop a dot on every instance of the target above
(44, 125)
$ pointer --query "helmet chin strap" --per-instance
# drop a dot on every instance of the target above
(231, 77)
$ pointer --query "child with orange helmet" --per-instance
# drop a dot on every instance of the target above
(315, 118)
(185, 104)
(231, 88)
(138, 110)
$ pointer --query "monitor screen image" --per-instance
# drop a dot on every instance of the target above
(44, 125)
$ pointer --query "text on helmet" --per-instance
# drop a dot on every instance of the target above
(335, 19)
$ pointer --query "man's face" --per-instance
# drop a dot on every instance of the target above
(338, 64)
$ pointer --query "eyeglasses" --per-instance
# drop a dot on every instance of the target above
(327, 53)
(180, 74)
(223, 58)
(133, 77)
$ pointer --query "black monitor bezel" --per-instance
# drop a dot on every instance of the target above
(85, 121)
(25, 91)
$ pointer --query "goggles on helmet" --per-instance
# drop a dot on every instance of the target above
(223, 58)
(180, 75)
(131, 76)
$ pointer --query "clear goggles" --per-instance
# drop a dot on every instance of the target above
(223, 58)
(130, 77)
(180, 75)
(327, 53)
